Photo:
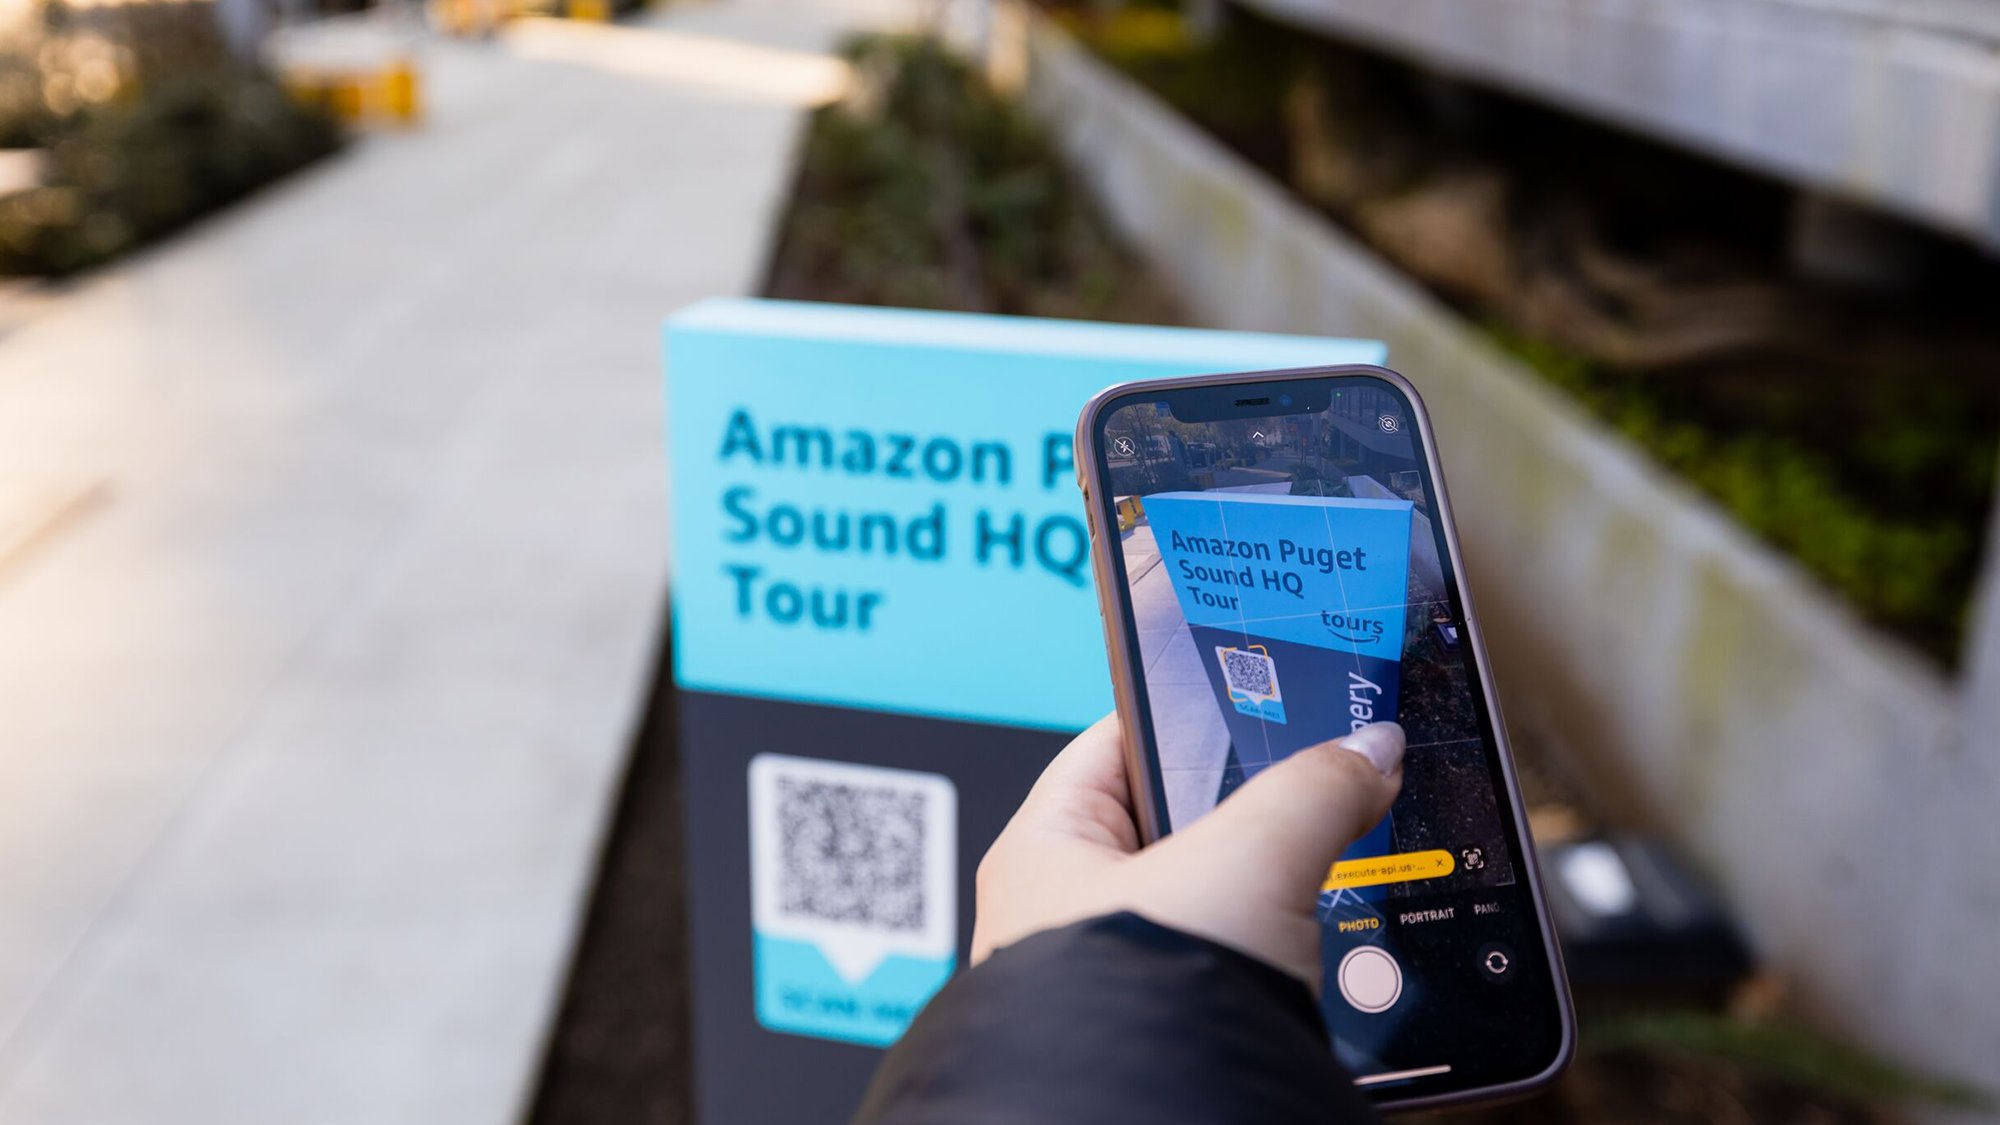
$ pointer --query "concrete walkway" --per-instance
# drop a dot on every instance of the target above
(332, 562)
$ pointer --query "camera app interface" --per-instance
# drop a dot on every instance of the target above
(1288, 585)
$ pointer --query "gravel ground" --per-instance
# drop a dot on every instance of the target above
(620, 1051)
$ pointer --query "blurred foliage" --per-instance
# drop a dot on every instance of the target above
(1858, 432)
(1783, 1051)
(1857, 509)
(1229, 83)
(923, 188)
(147, 121)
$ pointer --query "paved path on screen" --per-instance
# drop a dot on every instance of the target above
(1177, 684)
(332, 560)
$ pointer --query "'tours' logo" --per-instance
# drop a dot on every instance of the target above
(1352, 628)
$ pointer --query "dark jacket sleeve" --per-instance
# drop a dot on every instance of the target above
(1115, 1020)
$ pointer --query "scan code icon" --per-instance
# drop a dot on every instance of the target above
(1252, 678)
(853, 895)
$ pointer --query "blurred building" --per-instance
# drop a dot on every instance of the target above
(1892, 104)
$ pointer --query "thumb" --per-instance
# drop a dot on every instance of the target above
(1295, 818)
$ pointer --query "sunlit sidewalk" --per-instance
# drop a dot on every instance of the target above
(332, 561)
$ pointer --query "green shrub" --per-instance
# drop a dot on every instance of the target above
(1788, 1052)
(924, 189)
(189, 130)
(1863, 496)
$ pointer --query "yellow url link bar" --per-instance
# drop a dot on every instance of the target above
(1377, 870)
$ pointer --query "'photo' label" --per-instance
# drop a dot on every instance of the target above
(853, 895)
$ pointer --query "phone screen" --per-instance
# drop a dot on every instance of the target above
(1286, 581)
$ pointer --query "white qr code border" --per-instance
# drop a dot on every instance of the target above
(854, 948)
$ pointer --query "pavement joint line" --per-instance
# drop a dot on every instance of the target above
(50, 514)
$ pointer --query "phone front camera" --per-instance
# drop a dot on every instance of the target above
(1284, 400)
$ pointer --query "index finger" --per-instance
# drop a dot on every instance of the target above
(1085, 785)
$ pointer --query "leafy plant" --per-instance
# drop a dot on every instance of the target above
(1781, 1050)
(923, 188)
(147, 124)
(1872, 528)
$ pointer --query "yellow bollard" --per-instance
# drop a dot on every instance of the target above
(307, 88)
(399, 91)
(454, 17)
(345, 96)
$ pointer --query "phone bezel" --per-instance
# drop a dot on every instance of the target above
(1139, 767)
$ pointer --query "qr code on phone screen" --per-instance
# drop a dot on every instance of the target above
(852, 853)
(1249, 672)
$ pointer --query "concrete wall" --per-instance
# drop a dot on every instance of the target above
(1815, 768)
(1905, 105)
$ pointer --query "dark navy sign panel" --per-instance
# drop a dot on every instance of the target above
(745, 1073)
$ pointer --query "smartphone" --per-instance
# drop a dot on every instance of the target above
(1276, 565)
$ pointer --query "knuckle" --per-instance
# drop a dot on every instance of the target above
(1336, 765)
(984, 876)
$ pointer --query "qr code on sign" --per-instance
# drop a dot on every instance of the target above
(851, 853)
(842, 848)
(1248, 671)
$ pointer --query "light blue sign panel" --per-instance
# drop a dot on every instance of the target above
(799, 992)
(1324, 571)
(877, 508)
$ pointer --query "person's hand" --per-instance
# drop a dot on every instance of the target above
(1246, 875)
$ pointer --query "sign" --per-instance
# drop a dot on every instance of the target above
(1305, 590)
(1308, 588)
(883, 627)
